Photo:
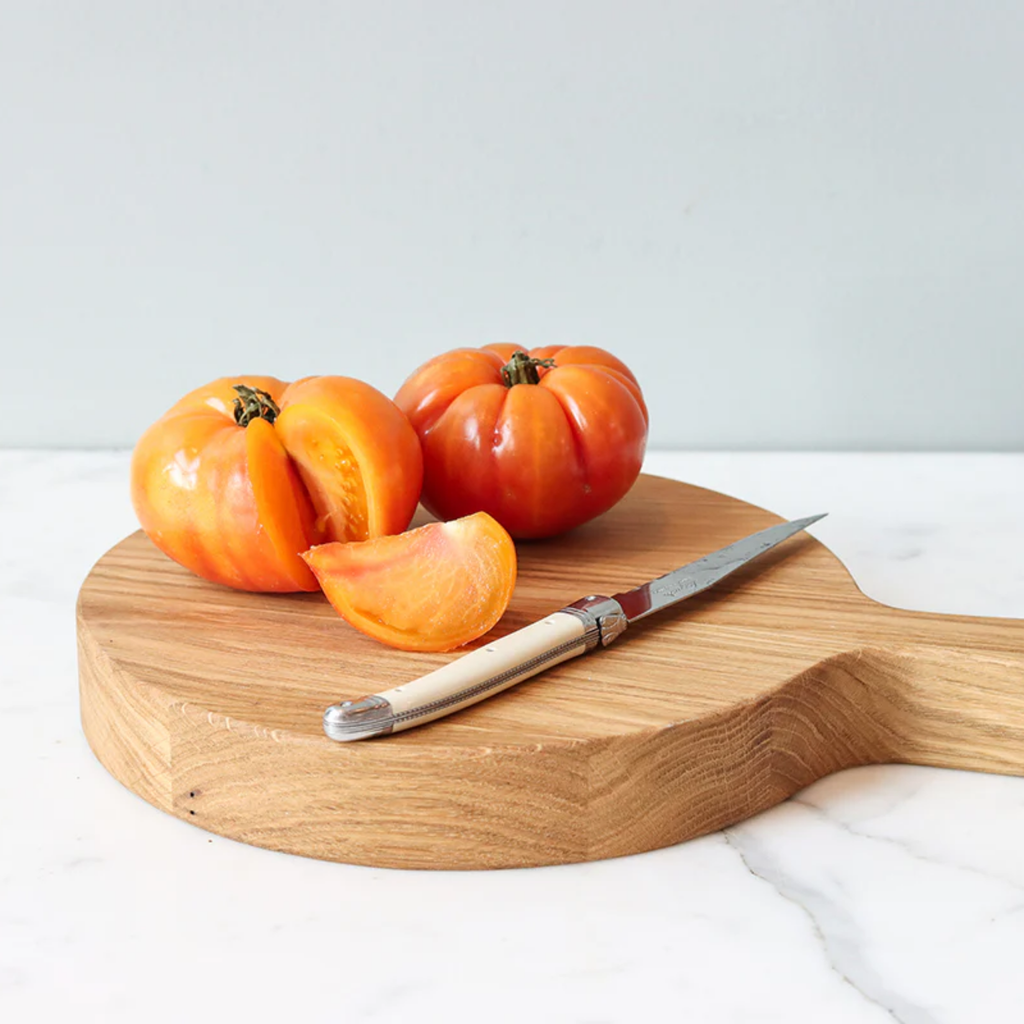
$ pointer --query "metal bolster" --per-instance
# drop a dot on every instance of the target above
(603, 617)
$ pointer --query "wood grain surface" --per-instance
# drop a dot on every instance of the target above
(207, 702)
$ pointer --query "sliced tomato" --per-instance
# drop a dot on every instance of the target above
(282, 506)
(217, 487)
(360, 462)
(434, 588)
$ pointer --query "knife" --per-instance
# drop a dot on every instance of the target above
(583, 626)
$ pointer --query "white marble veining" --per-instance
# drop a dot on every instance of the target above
(880, 894)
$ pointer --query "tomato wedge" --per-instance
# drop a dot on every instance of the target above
(358, 457)
(434, 588)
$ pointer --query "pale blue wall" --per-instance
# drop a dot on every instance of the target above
(802, 223)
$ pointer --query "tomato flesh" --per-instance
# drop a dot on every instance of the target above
(434, 588)
(331, 475)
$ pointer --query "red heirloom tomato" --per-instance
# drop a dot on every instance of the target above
(241, 476)
(542, 441)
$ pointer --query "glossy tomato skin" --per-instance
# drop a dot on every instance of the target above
(230, 503)
(193, 494)
(540, 458)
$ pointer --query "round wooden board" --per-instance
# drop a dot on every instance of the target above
(207, 702)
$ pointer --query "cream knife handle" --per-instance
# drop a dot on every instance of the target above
(475, 676)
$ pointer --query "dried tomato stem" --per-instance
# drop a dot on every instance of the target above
(522, 369)
(254, 404)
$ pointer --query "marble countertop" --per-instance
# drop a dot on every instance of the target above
(878, 894)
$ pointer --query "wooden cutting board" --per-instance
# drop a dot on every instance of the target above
(207, 702)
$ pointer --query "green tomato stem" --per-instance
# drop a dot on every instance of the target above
(522, 369)
(253, 404)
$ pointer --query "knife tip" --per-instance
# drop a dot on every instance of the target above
(804, 523)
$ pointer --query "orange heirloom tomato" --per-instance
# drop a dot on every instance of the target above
(542, 441)
(434, 588)
(242, 475)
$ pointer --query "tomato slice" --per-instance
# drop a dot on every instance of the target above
(282, 506)
(434, 588)
(357, 454)
(330, 473)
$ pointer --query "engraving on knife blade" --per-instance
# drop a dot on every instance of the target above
(670, 588)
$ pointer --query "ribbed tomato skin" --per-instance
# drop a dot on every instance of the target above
(238, 505)
(540, 458)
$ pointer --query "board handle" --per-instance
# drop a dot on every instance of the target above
(479, 674)
(953, 688)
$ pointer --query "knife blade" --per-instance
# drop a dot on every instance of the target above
(586, 625)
